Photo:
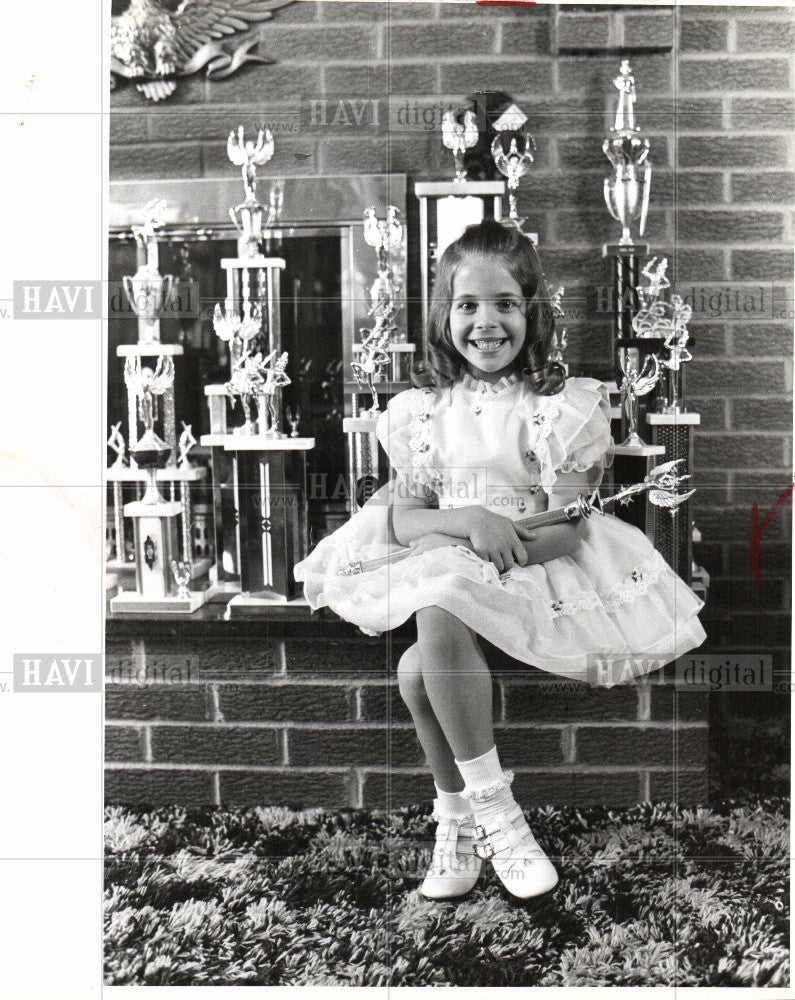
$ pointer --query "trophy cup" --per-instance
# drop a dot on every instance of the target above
(636, 383)
(155, 520)
(148, 291)
(627, 191)
(459, 138)
(293, 419)
(513, 164)
(248, 216)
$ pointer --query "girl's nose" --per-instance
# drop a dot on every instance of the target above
(486, 316)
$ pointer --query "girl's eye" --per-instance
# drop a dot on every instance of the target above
(466, 305)
(507, 304)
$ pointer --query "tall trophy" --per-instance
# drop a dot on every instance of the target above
(148, 291)
(627, 190)
(259, 474)
(161, 577)
(513, 151)
(381, 359)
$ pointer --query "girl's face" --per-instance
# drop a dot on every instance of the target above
(487, 317)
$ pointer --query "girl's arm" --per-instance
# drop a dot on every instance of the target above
(492, 536)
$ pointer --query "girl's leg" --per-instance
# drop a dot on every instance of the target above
(458, 685)
(457, 682)
(437, 750)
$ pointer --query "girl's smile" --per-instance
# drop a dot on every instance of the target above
(487, 318)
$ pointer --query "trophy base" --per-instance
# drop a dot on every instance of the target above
(248, 604)
(128, 602)
(111, 584)
(639, 449)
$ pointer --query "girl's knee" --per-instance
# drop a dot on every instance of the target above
(409, 674)
(441, 634)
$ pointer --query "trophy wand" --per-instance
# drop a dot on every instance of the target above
(662, 482)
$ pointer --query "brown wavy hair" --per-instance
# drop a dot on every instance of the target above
(489, 238)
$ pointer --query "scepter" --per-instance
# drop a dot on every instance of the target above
(662, 483)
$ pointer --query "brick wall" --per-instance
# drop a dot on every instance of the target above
(718, 110)
(312, 721)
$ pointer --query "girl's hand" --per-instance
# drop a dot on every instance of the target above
(498, 539)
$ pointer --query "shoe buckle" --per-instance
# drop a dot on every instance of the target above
(481, 843)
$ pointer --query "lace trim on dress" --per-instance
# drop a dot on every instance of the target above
(543, 416)
(634, 585)
(489, 388)
(422, 471)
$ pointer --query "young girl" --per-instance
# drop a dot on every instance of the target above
(495, 434)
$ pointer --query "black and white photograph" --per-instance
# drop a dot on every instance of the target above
(421, 413)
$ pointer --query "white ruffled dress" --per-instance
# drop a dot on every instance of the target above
(611, 610)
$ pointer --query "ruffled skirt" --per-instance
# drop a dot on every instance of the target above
(611, 611)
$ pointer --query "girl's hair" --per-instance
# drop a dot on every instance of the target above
(492, 239)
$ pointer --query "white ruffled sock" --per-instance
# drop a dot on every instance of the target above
(451, 804)
(484, 777)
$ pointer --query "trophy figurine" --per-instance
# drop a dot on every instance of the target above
(367, 369)
(145, 384)
(244, 383)
(275, 378)
(186, 442)
(237, 332)
(148, 291)
(116, 442)
(667, 320)
(626, 192)
(513, 165)
(181, 573)
(250, 218)
(459, 138)
(636, 383)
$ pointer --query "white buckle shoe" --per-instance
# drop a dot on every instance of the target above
(508, 842)
(455, 867)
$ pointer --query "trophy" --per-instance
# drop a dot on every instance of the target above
(155, 519)
(148, 291)
(293, 419)
(666, 320)
(459, 138)
(371, 360)
(637, 382)
(513, 164)
(627, 190)
(248, 216)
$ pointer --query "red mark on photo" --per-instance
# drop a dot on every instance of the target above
(505, 3)
(757, 530)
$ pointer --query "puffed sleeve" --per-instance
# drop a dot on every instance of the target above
(404, 430)
(572, 429)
